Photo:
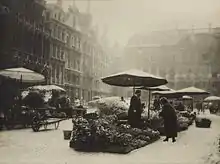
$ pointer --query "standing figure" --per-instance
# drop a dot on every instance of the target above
(199, 107)
(135, 109)
(122, 99)
(170, 120)
(156, 104)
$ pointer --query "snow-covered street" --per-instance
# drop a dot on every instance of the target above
(193, 146)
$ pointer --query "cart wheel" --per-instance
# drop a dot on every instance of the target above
(45, 126)
(35, 127)
(57, 125)
(35, 124)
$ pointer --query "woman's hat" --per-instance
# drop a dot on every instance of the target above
(138, 91)
(164, 100)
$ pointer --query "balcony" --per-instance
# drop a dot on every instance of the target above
(58, 59)
(33, 26)
(74, 70)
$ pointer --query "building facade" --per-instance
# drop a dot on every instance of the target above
(77, 58)
(65, 48)
(25, 39)
(183, 57)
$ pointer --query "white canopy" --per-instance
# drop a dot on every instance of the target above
(192, 91)
(23, 74)
(47, 88)
(212, 98)
(187, 97)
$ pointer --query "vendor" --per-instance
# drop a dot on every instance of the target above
(135, 109)
(156, 104)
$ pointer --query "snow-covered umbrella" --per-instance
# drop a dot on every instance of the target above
(187, 97)
(212, 98)
(192, 91)
(22, 74)
(171, 91)
(47, 88)
(134, 78)
(158, 88)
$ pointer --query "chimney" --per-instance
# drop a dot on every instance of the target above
(60, 3)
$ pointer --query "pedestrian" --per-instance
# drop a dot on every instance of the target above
(135, 110)
(170, 120)
(199, 107)
(122, 99)
(156, 104)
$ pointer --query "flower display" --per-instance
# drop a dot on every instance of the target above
(102, 133)
(110, 106)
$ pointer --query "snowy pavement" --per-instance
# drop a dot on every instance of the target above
(193, 146)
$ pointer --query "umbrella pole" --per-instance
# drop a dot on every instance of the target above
(149, 104)
(20, 96)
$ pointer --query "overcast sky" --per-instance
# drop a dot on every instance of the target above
(126, 17)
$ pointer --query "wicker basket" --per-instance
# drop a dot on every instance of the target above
(203, 123)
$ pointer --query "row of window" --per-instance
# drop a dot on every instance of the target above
(57, 51)
(57, 74)
(72, 78)
(72, 62)
(75, 41)
(61, 34)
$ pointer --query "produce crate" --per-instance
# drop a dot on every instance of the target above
(203, 123)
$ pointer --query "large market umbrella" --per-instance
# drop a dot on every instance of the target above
(192, 91)
(22, 74)
(47, 88)
(212, 98)
(171, 91)
(134, 78)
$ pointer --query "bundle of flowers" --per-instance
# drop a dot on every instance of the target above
(110, 106)
(183, 123)
(103, 135)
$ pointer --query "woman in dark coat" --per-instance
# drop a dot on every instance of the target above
(170, 120)
(135, 110)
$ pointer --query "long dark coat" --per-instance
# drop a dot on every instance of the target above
(134, 112)
(170, 120)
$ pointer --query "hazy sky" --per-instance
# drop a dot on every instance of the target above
(126, 17)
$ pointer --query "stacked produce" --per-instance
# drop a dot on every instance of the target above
(103, 134)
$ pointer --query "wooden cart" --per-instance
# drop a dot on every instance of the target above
(37, 123)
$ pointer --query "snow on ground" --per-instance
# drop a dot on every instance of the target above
(194, 146)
